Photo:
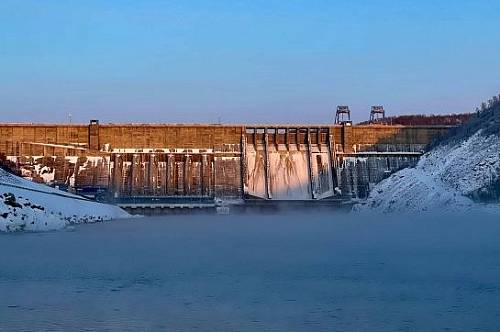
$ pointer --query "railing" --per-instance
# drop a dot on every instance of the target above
(166, 202)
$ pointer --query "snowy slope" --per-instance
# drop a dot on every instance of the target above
(443, 179)
(9, 179)
(29, 206)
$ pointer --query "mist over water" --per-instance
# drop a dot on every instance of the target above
(270, 272)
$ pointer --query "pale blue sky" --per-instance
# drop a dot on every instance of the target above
(244, 61)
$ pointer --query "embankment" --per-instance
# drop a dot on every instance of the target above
(28, 206)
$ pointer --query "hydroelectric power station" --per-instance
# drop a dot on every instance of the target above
(188, 165)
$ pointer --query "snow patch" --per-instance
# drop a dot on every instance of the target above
(28, 206)
(441, 181)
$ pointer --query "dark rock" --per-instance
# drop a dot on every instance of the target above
(10, 199)
(39, 207)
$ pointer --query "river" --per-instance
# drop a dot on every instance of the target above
(296, 272)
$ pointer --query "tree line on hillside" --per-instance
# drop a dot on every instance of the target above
(424, 120)
(486, 118)
(459, 119)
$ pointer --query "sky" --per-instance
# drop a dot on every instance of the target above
(268, 61)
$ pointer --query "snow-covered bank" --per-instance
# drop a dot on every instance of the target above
(443, 180)
(28, 206)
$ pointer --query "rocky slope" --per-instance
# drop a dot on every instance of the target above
(457, 175)
(28, 206)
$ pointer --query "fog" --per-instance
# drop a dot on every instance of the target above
(271, 272)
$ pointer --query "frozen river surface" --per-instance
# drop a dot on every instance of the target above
(254, 273)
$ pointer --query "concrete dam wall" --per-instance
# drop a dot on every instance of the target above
(280, 162)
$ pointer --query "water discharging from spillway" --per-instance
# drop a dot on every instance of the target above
(292, 174)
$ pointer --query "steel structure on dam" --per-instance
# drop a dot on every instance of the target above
(272, 162)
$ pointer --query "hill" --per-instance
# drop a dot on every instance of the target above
(460, 171)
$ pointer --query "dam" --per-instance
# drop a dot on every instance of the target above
(197, 163)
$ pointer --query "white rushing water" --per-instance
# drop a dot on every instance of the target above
(289, 177)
